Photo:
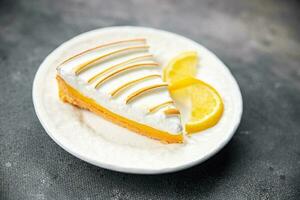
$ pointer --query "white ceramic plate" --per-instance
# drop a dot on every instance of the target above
(104, 144)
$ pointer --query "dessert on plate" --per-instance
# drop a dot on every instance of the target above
(122, 82)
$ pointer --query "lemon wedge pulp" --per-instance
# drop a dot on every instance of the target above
(183, 65)
(206, 103)
(202, 101)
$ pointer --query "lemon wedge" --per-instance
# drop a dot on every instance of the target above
(180, 67)
(206, 105)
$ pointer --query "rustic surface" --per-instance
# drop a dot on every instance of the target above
(258, 40)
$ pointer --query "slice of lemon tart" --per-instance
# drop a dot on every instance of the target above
(121, 81)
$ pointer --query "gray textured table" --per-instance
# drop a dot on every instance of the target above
(258, 40)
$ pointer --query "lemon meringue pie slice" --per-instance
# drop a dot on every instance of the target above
(121, 81)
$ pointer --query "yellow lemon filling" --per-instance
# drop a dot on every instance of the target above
(69, 94)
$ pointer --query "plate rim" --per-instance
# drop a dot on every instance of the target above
(132, 170)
